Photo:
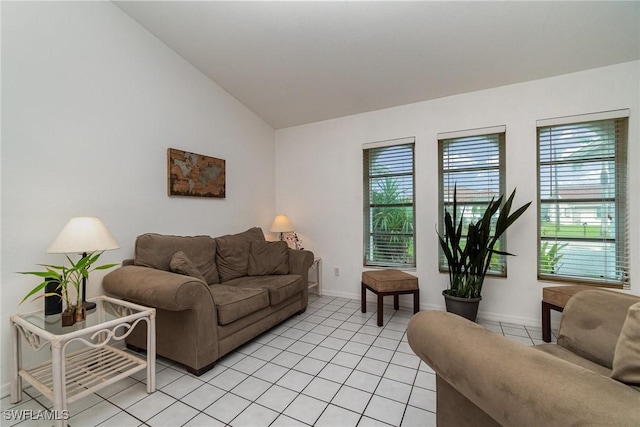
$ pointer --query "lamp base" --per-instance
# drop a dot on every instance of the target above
(86, 304)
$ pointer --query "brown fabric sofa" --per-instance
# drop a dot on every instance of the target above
(485, 379)
(211, 294)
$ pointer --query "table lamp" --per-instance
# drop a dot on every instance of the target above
(83, 235)
(281, 224)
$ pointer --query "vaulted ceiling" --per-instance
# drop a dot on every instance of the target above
(299, 62)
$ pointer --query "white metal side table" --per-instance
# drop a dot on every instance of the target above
(315, 275)
(74, 373)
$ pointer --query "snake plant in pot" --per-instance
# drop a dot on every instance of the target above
(469, 257)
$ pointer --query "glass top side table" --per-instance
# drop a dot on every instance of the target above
(71, 373)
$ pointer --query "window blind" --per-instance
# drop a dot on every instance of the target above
(582, 202)
(474, 165)
(389, 204)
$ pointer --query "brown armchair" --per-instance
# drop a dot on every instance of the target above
(485, 379)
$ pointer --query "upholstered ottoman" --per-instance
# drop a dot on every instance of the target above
(389, 282)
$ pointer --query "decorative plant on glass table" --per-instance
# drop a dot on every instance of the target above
(67, 277)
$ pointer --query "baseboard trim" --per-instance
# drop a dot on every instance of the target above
(482, 315)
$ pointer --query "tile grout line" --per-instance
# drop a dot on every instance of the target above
(323, 308)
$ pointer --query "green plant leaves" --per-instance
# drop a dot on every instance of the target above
(67, 276)
(550, 257)
(468, 266)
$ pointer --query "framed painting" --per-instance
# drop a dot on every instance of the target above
(196, 175)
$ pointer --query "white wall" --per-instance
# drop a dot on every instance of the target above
(91, 102)
(319, 179)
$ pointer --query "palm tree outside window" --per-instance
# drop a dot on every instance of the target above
(389, 220)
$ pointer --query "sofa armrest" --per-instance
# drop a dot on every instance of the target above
(515, 384)
(159, 289)
(299, 262)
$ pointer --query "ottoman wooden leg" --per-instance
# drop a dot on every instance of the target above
(396, 302)
(416, 301)
(380, 297)
(363, 300)
(546, 319)
(546, 322)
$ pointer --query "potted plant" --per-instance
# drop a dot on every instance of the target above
(67, 277)
(469, 259)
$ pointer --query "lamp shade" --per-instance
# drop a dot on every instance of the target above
(281, 224)
(83, 234)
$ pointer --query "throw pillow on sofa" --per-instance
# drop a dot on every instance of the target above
(626, 359)
(232, 256)
(181, 264)
(266, 258)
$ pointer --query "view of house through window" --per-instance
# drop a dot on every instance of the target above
(389, 225)
(582, 208)
(473, 163)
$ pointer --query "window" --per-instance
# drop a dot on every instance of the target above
(389, 224)
(472, 162)
(582, 199)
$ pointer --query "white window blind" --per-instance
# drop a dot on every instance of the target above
(582, 201)
(473, 163)
(389, 225)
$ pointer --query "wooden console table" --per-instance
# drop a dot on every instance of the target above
(556, 298)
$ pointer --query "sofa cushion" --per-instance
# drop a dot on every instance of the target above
(156, 250)
(267, 258)
(233, 303)
(280, 287)
(181, 264)
(232, 257)
(591, 323)
(626, 359)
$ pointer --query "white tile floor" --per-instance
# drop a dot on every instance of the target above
(331, 366)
